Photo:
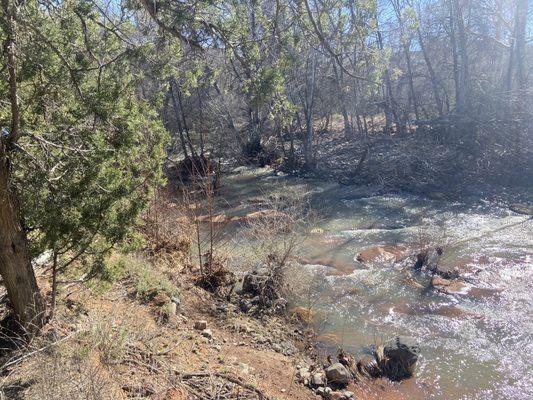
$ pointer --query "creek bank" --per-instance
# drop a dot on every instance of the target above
(395, 361)
(258, 346)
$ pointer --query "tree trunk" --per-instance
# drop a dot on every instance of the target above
(390, 104)
(229, 117)
(178, 120)
(309, 104)
(412, 94)
(15, 262)
(518, 48)
(456, 75)
(432, 75)
(464, 70)
(201, 128)
(54, 283)
(174, 85)
(406, 44)
(348, 130)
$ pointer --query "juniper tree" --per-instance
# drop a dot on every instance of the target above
(81, 147)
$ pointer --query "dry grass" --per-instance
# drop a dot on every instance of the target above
(167, 228)
(63, 373)
(274, 238)
(277, 235)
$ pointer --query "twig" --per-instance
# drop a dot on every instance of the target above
(31, 353)
(234, 380)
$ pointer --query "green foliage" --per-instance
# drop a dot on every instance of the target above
(146, 280)
(91, 147)
(411, 18)
(107, 272)
(264, 68)
(149, 283)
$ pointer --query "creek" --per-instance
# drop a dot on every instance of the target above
(477, 343)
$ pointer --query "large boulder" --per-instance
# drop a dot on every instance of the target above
(381, 253)
(399, 358)
(449, 286)
(338, 374)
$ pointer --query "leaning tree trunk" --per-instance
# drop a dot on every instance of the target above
(15, 262)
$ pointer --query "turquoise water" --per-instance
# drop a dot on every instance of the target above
(475, 345)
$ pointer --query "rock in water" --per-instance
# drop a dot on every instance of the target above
(381, 253)
(367, 365)
(265, 214)
(448, 286)
(338, 374)
(524, 209)
(399, 358)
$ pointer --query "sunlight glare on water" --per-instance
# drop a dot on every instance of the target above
(474, 346)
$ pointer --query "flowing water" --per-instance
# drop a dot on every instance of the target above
(476, 344)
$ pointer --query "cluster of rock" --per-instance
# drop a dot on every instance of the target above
(261, 290)
(327, 383)
(276, 338)
(445, 280)
(396, 361)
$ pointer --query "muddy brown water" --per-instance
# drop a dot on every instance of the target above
(476, 344)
